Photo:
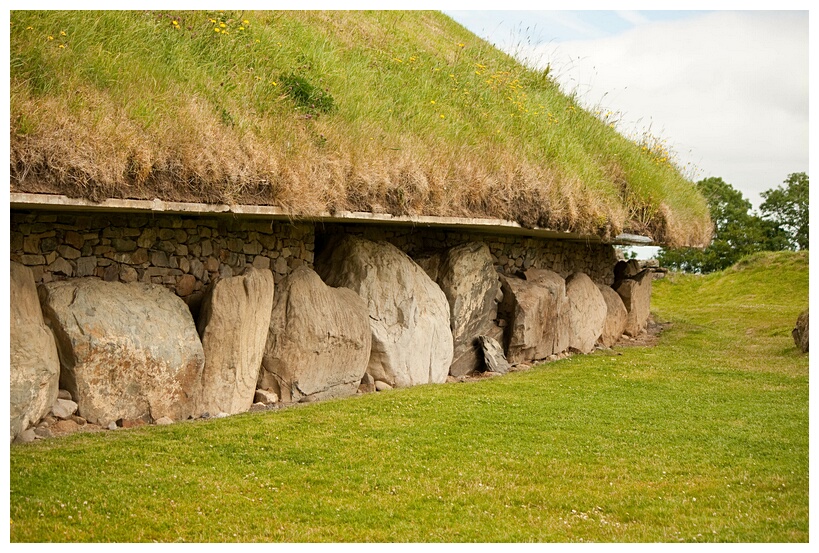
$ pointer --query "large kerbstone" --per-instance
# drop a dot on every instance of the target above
(536, 310)
(470, 282)
(800, 332)
(587, 312)
(233, 324)
(318, 341)
(409, 314)
(33, 365)
(616, 316)
(128, 351)
(635, 292)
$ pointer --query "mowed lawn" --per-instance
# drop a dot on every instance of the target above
(701, 438)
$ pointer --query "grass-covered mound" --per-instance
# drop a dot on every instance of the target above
(399, 112)
(701, 438)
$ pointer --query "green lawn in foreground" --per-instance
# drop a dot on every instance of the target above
(702, 438)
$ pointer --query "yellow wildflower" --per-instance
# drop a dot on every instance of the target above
(216, 29)
(245, 22)
(50, 37)
(241, 28)
(432, 101)
(62, 33)
(274, 83)
(222, 25)
(442, 116)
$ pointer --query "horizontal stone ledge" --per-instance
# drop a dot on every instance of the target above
(56, 202)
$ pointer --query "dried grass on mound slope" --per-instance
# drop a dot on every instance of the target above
(403, 112)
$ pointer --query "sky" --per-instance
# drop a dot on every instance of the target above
(727, 90)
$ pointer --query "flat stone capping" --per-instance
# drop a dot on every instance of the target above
(57, 202)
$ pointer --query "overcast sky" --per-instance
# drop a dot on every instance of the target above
(727, 91)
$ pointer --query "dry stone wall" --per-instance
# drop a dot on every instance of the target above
(186, 253)
(510, 254)
(183, 253)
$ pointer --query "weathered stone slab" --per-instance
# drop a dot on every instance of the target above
(587, 312)
(636, 295)
(468, 278)
(319, 338)
(233, 323)
(800, 332)
(127, 351)
(33, 365)
(409, 314)
(493, 355)
(616, 316)
(537, 314)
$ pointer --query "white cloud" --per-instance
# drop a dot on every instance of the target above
(633, 17)
(729, 90)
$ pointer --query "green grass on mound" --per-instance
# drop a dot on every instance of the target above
(701, 438)
(319, 111)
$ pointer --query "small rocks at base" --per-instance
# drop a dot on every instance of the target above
(367, 384)
(63, 408)
(65, 427)
(130, 423)
(26, 436)
(381, 386)
(265, 397)
(493, 355)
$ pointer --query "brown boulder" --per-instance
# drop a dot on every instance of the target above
(587, 312)
(800, 332)
(127, 350)
(471, 285)
(233, 323)
(616, 316)
(636, 295)
(34, 365)
(318, 340)
(408, 312)
(536, 310)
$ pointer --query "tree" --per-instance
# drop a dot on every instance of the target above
(737, 232)
(788, 208)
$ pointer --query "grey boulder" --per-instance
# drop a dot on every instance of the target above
(470, 282)
(128, 351)
(635, 291)
(800, 332)
(34, 365)
(587, 312)
(408, 313)
(616, 316)
(536, 310)
(233, 324)
(318, 340)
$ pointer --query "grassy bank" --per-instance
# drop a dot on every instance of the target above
(701, 438)
(404, 112)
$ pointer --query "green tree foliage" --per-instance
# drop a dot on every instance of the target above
(737, 232)
(788, 208)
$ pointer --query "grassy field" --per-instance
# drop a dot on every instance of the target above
(315, 111)
(703, 438)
